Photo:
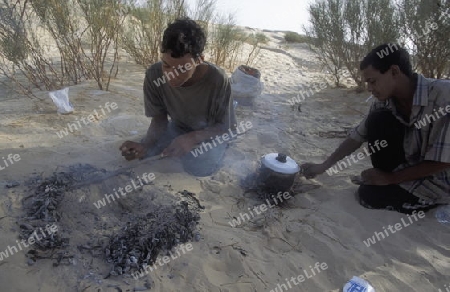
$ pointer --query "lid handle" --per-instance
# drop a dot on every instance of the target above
(281, 158)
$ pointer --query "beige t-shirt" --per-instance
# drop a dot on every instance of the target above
(204, 104)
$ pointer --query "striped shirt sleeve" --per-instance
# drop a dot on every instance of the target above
(359, 133)
(439, 138)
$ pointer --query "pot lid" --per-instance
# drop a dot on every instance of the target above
(280, 163)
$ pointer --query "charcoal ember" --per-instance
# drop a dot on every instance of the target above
(145, 237)
(31, 262)
(48, 194)
(82, 172)
(12, 184)
(43, 239)
(192, 201)
(139, 242)
(41, 211)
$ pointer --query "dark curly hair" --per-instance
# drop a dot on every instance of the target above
(183, 36)
(384, 56)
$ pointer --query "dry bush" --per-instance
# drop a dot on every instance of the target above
(226, 42)
(294, 37)
(327, 34)
(343, 31)
(256, 40)
(60, 20)
(369, 24)
(83, 34)
(203, 13)
(427, 28)
(145, 26)
(104, 19)
(23, 61)
(84, 37)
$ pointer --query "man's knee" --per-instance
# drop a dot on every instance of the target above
(200, 171)
(201, 167)
(366, 196)
(383, 124)
(381, 118)
(205, 164)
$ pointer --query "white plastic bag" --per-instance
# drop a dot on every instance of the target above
(244, 85)
(61, 99)
(358, 285)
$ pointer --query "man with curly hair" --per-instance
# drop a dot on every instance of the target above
(195, 94)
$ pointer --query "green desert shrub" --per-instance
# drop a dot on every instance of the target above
(293, 37)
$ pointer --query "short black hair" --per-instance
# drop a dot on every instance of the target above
(384, 56)
(183, 36)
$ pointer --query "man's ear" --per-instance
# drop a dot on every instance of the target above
(395, 70)
(202, 58)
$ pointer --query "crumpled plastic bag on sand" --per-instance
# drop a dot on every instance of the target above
(61, 99)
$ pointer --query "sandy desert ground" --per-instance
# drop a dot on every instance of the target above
(322, 224)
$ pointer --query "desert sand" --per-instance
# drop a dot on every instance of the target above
(323, 223)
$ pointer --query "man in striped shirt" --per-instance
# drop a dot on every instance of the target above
(412, 114)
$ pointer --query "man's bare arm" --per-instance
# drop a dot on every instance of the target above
(346, 148)
(374, 176)
(202, 135)
(184, 143)
(421, 170)
(133, 150)
(157, 127)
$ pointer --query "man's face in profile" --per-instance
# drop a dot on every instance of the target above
(178, 70)
(380, 85)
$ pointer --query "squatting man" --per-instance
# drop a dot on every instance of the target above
(197, 98)
(413, 172)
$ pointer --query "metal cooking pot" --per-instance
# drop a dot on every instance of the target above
(277, 172)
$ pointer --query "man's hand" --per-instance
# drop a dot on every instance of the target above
(376, 177)
(133, 150)
(180, 146)
(311, 170)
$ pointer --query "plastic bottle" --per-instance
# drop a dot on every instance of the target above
(443, 214)
(358, 285)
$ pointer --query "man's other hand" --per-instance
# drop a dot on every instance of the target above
(180, 146)
(133, 150)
